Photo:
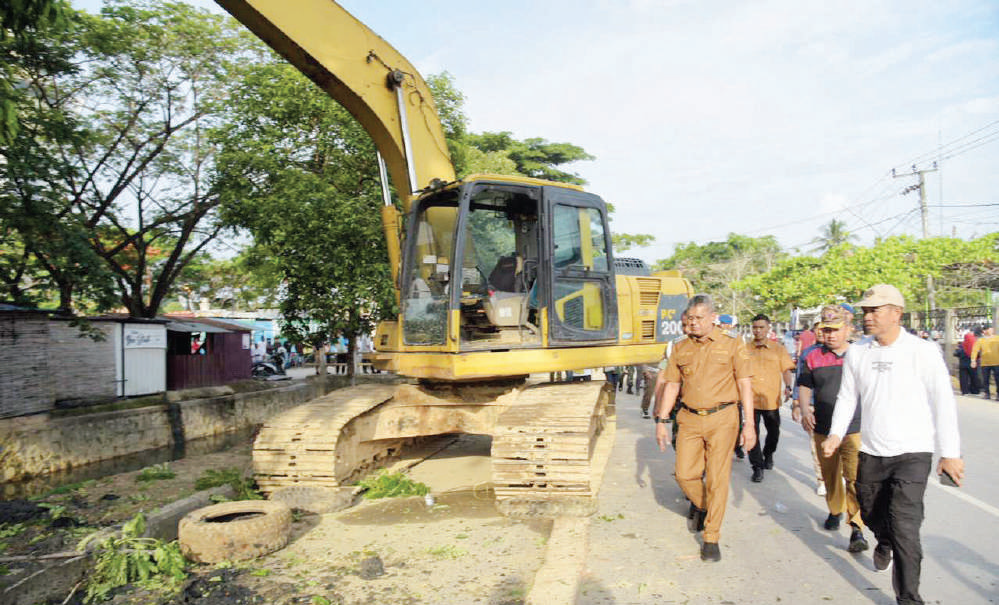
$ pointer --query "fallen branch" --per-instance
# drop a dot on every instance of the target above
(66, 554)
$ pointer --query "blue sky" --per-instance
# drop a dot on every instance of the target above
(769, 117)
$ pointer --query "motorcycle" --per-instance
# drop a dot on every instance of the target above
(267, 368)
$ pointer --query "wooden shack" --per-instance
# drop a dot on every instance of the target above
(205, 352)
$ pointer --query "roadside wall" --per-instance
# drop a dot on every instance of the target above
(42, 443)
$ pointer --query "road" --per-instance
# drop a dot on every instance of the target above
(774, 548)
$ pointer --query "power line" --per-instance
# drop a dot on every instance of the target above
(936, 153)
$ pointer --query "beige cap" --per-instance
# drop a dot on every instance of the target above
(882, 294)
(833, 316)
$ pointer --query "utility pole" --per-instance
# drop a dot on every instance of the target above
(925, 215)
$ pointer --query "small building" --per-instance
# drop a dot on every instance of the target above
(48, 360)
(204, 352)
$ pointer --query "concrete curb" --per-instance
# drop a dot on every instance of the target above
(57, 580)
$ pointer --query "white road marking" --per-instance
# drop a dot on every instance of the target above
(959, 493)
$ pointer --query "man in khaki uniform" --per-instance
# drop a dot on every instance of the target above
(772, 380)
(988, 347)
(710, 373)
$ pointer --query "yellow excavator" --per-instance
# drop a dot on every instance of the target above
(497, 278)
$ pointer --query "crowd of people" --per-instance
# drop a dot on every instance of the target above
(876, 406)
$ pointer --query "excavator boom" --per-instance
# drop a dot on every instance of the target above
(362, 72)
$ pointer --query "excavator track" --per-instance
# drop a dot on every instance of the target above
(549, 440)
(299, 447)
(549, 450)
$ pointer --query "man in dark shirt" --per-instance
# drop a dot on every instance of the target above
(818, 385)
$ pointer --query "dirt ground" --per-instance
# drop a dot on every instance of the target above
(456, 550)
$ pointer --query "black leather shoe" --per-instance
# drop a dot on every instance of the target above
(695, 519)
(832, 522)
(857, 541)
(768, 462)
(710, 552)
(757, 474)
(882, 557)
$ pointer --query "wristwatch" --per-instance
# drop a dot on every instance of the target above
(662, 420)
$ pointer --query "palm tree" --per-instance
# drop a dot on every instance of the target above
(833, 234)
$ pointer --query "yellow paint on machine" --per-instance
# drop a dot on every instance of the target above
(485, 364)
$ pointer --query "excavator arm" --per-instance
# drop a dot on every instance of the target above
(362, 72)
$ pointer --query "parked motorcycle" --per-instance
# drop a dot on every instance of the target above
(270, 367)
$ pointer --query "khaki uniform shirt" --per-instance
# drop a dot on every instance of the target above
(768, 362)
(707, 369)
(988, 346)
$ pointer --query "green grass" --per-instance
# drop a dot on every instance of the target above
(245, 487)
(447, 551)
(156, 472)
(392, 485)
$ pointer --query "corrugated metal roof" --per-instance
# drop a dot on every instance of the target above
(183, 326)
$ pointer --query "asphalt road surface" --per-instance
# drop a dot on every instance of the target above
(774, 548)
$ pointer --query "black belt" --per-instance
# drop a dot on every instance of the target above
(706, 411)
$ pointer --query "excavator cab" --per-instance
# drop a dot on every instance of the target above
(513, 263)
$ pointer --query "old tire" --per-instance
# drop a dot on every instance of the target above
(234, 530)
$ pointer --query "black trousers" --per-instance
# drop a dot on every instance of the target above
(968, 377)
(890, 492)
(990, 371)
(771, 420)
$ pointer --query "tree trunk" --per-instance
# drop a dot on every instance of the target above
(320, 354)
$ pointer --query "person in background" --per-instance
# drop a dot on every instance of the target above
(908, 410)
(797, 411)
(613, 375)
(772, 368)
(967, 376)
(985, 353)
(818, 386)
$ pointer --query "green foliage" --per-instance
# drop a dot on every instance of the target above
(299, 173)
(833, 235)
(533, 157)
(245, 487)
(626, 241)
(156, 472)
(104, 190)
(391, 485)
(716, 268)
(131, 558)
(56, 511)
(10, 530)
(447, 551)
(843, 273)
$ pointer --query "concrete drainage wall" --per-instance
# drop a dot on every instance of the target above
(43, 443)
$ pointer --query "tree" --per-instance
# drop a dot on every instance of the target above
(534, 157)
(716, 268)
(21, 24)
(45, 252)
(300, 174)
(843, 273)
(833, 235)
(149, 79)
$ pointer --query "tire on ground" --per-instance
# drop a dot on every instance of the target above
(234, 530)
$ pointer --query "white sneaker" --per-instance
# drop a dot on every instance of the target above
(820, 488)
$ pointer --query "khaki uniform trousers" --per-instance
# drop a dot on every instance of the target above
(704, 447)
(839, 467)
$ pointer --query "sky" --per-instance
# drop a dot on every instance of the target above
(770, 117)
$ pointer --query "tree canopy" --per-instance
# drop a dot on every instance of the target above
(716, 268)
(844, 272)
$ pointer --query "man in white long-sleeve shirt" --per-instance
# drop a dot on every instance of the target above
(908, 410)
